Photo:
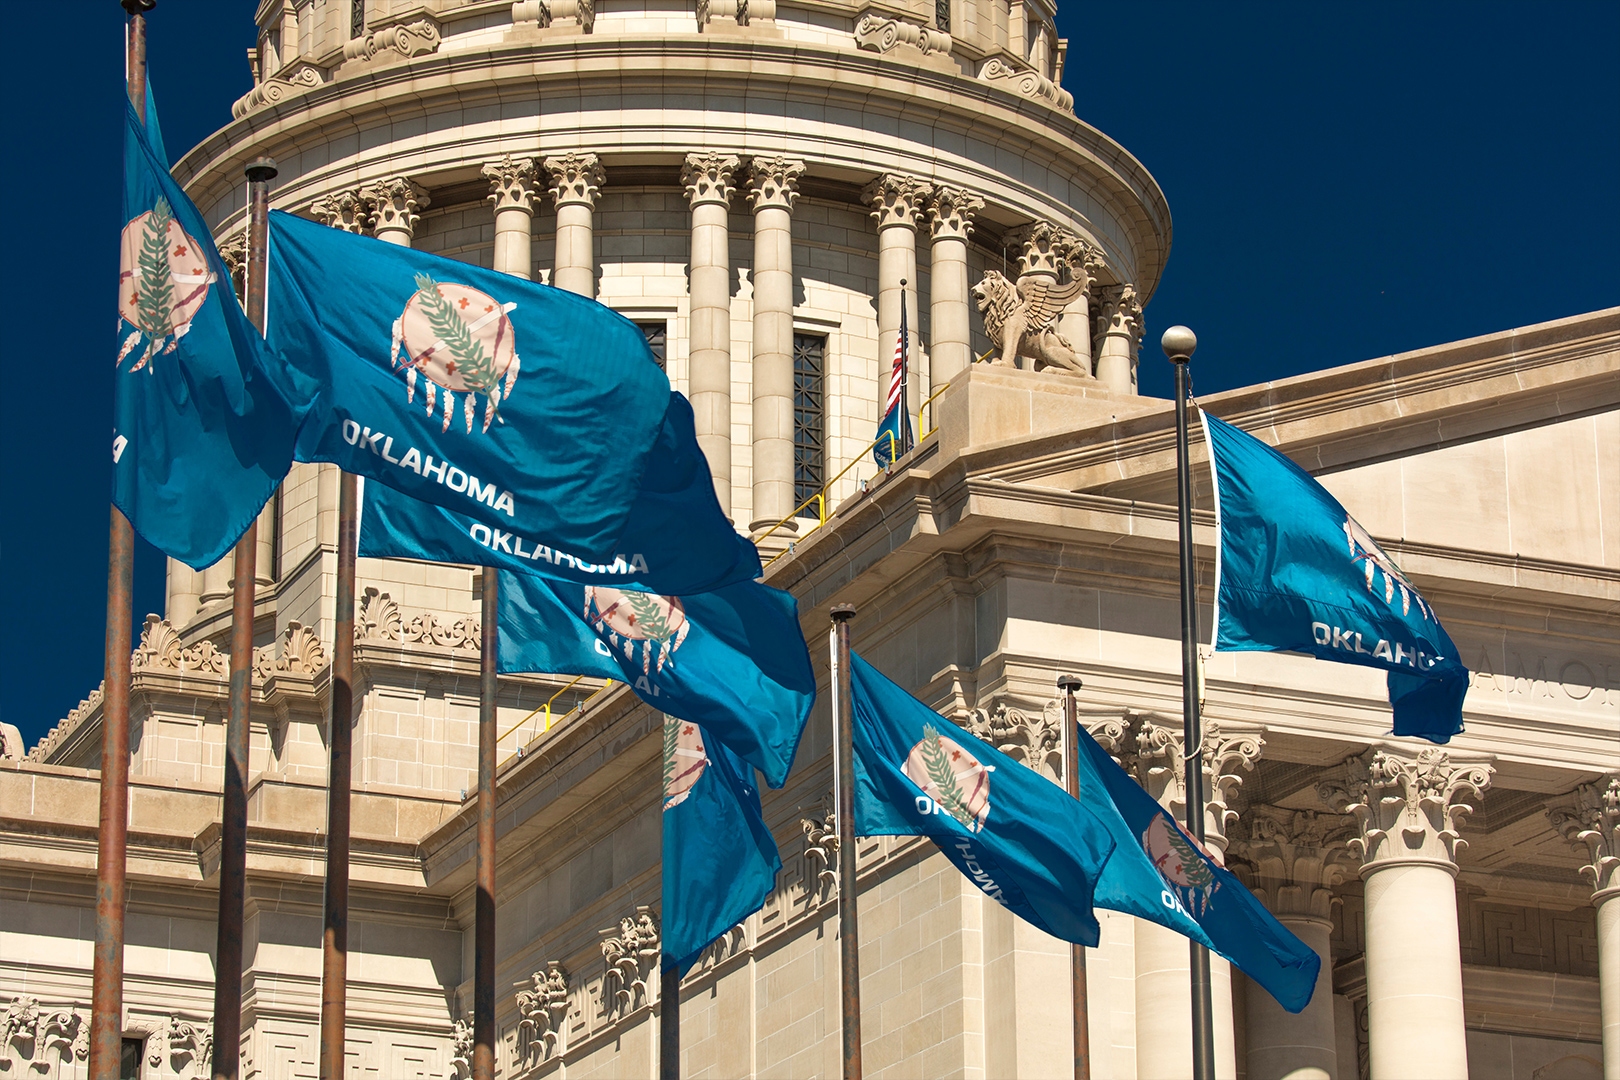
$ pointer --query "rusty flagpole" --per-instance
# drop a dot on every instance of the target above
(340, 735)
(483, 1063)
(1071, 780)
(849, 940)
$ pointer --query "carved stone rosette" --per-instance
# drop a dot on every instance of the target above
(773, 182)
(1589, 818)
(951, 212)
(707, 178)
(896, 200)
(1407, 808)
(575, 179)
(347, 210)
(1298, 857)
(513, 183)
(395, 203)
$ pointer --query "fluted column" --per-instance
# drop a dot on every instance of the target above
(708, 181)
(1298, 858)
(773, 185)
(1406, 809)
(395, 203)
(576, 181)
(1084, 263)
(950, 347)
(1121, 334)
(897, 204)
(1589, 818)
(348, 210)
(1163, 963)
(512, 189)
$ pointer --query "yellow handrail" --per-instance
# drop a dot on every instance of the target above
(822, 494)
(925, 405)
(547, 707)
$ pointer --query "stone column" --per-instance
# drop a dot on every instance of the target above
(1298, 858)
(950, 347)
(1084, 263)
(1406, 809)
(576, 181)
(773, 185)
(182, 598)
(1589, 818)
(348, 210)
(1163, 961)
(897, 203)
(708, 181)
(1121, 334)
(214, 582)
(395, 203)
(512, 188)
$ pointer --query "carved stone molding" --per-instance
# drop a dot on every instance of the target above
(1120, 312)
(1040, 246)
(576, 179)
(32, 1035)
(881, 34)
(543, 1014)
(1035, 741)
(461, 1048)
(1589, 818)
(347, 210)
(301, 651)
(575, 15)
(821, 852)
(1298, 856)
(734, 12)
(377, 617)
(67, 725)
(631, 954)
(951, 212)
(428, 629)
(1026, 81)
(294, 79)
(395, 202)
(160, 650)
(708, 178)
(181, 1048)
(233, 251)
(773, 182)
(1407, 808)
(896, 200)
(513, 183)
(401, 42)
(1080, 258)
(1155, 757)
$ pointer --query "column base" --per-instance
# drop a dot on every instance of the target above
(781, 535)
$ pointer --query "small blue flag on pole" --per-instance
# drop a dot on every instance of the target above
(1015, 834)
(201, 436)
(1296, 572)
(512, 403)
(894, 433)
(720, 860)
(1159, 873)
(733, 660)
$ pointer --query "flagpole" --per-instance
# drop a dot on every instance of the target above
(669, 1024)
(335, 932)
(849, 943)
(1071, 780)
(233, 815)
(1179, 343)
(483, 1063)
(107, 973)
(906, 434)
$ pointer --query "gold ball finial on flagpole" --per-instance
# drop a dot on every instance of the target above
(1179, 344)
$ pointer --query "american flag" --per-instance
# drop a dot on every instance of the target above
(897, 375)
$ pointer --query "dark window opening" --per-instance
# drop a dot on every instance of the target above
(809, 416)
(357, 18)
(129, 1059)
(657, 335)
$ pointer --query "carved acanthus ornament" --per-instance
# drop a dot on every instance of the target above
(400, 42)
(513, 183)
(543, 1012)
(1080, 258)
(708, 178)
(951, 212)
(1025, 80)
(1155, 757)
(881, 34)
(773, 182)
(160, 650)
(461, 1048)
(896, 200)
(427, 629)
(377, 617)
(821, 851)
(301, 651)
(31, 1035)
(347, 210)
(1035, 741)
(1298, 856)
(1407, 808)
(395, 202)
(187, 1048)
(576, 179)
(1120, 312)
(1589, 818)
(296, 78)
(631, 955)
(1040, 246)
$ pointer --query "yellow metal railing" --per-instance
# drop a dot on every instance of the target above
(546, 708)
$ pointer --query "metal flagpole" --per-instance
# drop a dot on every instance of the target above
(340, 732)
(849, 940)
(107, 978)
(906, 435)
(669, 1024)
(233, 817)
(1071, 780)
(1178, 343)
(483, 1063)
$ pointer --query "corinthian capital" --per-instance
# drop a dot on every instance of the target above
(1160, 767)
(773, 182)
(896, 200)
(1407, 808)
(576, 179)
(951, 212)
(513, 183)
(1040, 246)
(1589, 818)
(1298, 858)
(395, 203)
(1084, 261)
(347, 210)
(707, 178)
(1121, 312)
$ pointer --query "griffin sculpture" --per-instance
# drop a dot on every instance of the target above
(1022, 321)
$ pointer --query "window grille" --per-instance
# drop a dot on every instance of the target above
(809, 415)
(942, 15)
(657, 335)
(357, 18)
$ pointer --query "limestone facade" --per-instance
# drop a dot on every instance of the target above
(750, 180)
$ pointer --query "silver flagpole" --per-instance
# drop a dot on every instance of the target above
(1178, 343)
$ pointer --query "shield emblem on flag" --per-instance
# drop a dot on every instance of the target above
(954, 779)
(163, 279)
(459, 340)
(684, 760)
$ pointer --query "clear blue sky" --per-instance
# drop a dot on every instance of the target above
(1347, 181)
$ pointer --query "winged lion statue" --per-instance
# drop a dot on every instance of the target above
(1022, 321)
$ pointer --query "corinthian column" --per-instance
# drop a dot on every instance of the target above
(1039, 248)
(1163, 959)
(707, 178)
(897, 203)
(1406, 809)
(1084, 263)
(1589, 818)
(1299, 856)
(395, 203)
(1122, 333)
(773, 185)
(950, 348)
(512, 188)
(576, 181)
